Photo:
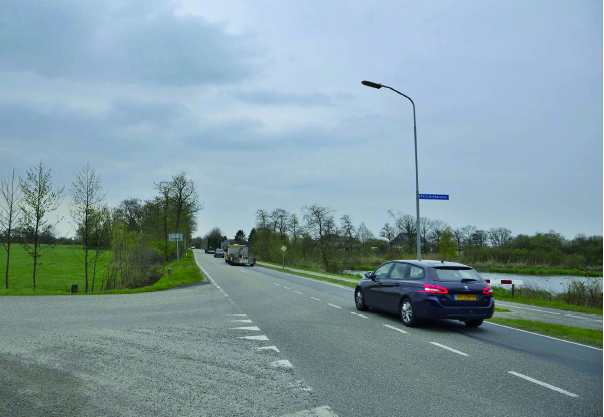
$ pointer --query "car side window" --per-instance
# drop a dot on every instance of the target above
(416, 272)
(398, 271)
(382, 271)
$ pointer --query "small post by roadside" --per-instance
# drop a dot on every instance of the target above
(283, 248)
(512, 289)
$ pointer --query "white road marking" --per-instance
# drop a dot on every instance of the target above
(365, 317)
(237, 315)
(360, 315)
(253, 328)
(352, 312)
(277, 284)
(284, 363)
(268, 348)
(242, 321)
(448, 348)
(584, 318)
(298, 292)
(313, 280)
(542, 335)
(287, 288)
(324, 411)
(527, 308)
(333, 305)
(261, 337)
(394, 328)
(315, 298)
(536, 381)
(243, 271)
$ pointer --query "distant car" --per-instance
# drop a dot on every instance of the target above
(219, 253)
(427, 290)
(192, 247)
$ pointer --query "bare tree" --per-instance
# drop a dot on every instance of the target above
(279, 218)
(347, 229)
(438, 228)
(184, 198)
(459, 235)
(389, 233)
(479, 238)
(86, 191)
(405, 225)
(468, 232)
(294, 228)
(38, 200)
(10, 214)
(364, 234)
(500, 236)
(262, 219)
(320, 224)
(425, 227)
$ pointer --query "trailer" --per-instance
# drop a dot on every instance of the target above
(239, 255)
(211, 245)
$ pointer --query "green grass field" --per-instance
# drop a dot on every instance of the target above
(59, 269)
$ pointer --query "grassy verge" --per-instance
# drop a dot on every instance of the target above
(585, 336)
(502, 310)
(545, 271)
(506, 295)
(316, 277)
(180, 275)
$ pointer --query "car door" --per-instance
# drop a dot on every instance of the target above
(391, 286)
(372, 290)
(415, 278)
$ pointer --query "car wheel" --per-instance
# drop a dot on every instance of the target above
(359, 300)
(473, 323)
(407, 313)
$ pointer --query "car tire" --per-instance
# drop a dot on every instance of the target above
(359, 300)
(473, 323)
(408, 313)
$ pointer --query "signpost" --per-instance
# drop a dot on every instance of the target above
(176, 237)
(283, 248)
(434, 196)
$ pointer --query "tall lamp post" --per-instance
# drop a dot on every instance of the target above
(378, 86)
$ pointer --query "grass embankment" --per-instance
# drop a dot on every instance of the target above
(545, 271)
(547, 300)
(502, 310)
(305, 268)
(575, 334)
(317, 277)
(59, 269)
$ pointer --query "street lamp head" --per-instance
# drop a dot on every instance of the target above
(371, 84)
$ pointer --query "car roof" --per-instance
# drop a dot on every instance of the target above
(431, 263)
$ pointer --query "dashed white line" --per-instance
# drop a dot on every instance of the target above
(298, 292)
(542, 335)
(242, 321)
(237, 315)
(315, 298)
(268, 348)
(252, 328)
(277, 284)
(584, 318)
(284, 363)
(448, 348)
(333, 305)
(287, 288)
(261, 337)
(536, 381)
(243, 271)
(395, 328)
(357, 314)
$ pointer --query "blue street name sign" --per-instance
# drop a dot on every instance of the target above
(434, 196)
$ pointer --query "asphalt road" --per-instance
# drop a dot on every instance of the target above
(371, 365)
(256, 342)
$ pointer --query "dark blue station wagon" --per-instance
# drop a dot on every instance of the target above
(427, 290)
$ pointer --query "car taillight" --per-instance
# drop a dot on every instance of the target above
(434, 289)
(488, 290)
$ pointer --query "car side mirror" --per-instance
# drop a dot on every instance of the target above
(370, 275)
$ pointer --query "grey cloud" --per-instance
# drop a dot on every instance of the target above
(107, 41)
(273, 98)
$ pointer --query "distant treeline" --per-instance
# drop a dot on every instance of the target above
(321, 240)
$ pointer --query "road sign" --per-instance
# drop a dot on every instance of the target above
(434, 196)
(175, 237)
(283, 248)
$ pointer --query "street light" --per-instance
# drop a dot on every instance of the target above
(378, 86)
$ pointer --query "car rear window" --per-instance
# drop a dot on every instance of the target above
(455, 274)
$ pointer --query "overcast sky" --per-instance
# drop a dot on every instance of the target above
(261, 104)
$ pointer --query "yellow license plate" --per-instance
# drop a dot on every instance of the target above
(465, 297)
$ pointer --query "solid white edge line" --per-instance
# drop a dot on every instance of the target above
(584, 318)
(536, 381)
(526, 308)
(313, 280)
(448, 348)
(542, 335)
(395, 328)
(333, 305)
